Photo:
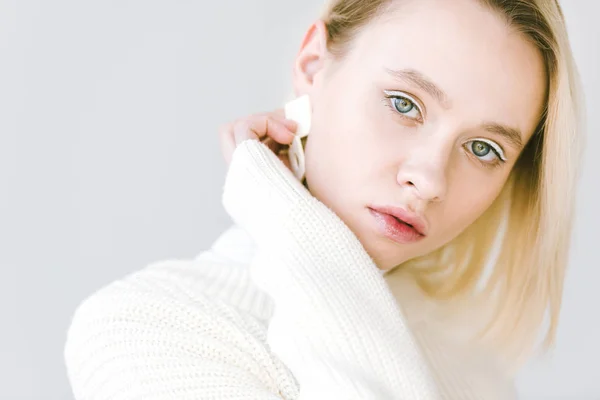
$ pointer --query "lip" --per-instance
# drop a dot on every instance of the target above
(417, 222)
(393, 229)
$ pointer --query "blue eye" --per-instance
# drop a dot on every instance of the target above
(480, 149)
(403, 105)
(489, 153)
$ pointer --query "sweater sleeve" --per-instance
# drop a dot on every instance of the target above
(336, 324)
(168, 332)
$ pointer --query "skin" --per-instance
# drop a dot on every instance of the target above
(412, 151)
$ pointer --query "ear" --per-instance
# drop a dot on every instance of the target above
(310, 60)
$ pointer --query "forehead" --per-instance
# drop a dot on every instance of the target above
(487, 69)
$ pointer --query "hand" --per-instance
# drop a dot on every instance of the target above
(271, 128)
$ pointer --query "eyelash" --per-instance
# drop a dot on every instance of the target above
(499, 160)
(390, 96)
(495, 148)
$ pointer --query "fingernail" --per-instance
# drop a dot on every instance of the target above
(291, 123)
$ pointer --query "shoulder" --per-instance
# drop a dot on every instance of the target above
(169, 299)
(172, 319)
(178, 290)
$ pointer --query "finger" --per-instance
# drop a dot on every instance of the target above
(278, 148)
(259, 126)
(280, 112)
(227, 141)
(279, 115)
(289, 123)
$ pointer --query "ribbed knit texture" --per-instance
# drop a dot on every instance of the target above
(303, 314)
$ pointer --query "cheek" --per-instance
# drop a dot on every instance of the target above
(329, 166)
(335, 150)
(336, 162)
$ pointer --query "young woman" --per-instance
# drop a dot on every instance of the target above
(419, 257)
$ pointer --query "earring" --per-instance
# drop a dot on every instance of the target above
(299, 110)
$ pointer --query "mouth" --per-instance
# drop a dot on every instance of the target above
(403, 222)
(397, 229)
(413, 220)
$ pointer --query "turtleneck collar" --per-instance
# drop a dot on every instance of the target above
(236, 248)
(234, 245)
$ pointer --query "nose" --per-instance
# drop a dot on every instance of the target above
(423, 176)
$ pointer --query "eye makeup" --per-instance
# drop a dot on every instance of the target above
(395, 94)
(495, 147)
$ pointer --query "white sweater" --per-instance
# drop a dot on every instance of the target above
(285, 305)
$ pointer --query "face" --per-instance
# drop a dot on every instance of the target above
(427, 113)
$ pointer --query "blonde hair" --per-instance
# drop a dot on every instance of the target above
(530, 222)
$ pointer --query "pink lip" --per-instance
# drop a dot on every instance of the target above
(416, 221)
(399, 224)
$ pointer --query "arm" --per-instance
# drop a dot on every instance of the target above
(336, 324)
(156, 334)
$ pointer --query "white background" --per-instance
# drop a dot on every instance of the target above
(109, 160)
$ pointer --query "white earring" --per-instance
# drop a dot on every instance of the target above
(299, 110)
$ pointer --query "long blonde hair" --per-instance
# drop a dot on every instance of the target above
(530, 222)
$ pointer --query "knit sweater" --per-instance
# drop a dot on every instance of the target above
(286, 304)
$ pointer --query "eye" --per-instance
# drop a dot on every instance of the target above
(486, 151)
(402, 104)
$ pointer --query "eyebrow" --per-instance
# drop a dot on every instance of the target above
(412, 76)
(416, 78)
(512, 135)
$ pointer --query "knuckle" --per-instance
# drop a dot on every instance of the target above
(241, 125)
